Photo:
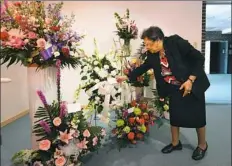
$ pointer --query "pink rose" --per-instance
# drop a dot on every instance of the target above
(60, 161)
(16, 42)
(57, 121)
(41, 43)
(86, 133)
(44, 145)
(32, 35)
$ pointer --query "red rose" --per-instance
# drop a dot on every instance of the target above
(55, 28)
(65, 51)
(4, 35)
(131, 136)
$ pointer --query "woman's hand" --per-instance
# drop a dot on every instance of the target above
(187, 86)
(120, 79)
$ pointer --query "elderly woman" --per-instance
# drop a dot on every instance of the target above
(179, 74)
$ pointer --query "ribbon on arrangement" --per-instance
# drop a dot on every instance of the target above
(106, 88)
(46, 53)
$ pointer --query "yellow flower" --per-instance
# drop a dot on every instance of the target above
(120, 123)
(166, 107)
(137, 111)
(126, 129)
(134, 60)
(29, 60)
(142, 128)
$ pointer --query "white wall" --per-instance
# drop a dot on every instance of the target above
(14, 95)
(97, 18)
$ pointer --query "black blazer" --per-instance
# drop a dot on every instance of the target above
(184, 60)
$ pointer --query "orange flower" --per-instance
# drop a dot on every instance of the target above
(57, 121)
(44, 145)
(141, 121)
(133, 103)
(4, 35)
(131, 136)
(131, 120)
(139, 136)
(143, 106)
(60, 161)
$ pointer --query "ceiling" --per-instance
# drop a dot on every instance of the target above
(218, 17)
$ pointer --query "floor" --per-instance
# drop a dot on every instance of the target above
(220, 90)
(16, 136)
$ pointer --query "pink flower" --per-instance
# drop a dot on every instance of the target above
(44, 145)
(95, 140)
(41, 43)
(48, 21)
(60, 161)
(82, 144)
(103, 132)
(15, 42)
(86, 133)
(37, 163)
(58, 153)
(26, 41)
(65, 137)
(32, 35)
(57, 121)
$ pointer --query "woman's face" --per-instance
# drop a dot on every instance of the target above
(153, 46)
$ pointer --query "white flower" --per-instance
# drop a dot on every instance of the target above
(102, 73)
(106, 67)
(56, 54)
(85, 69)
(97, 98)
(95, 62)
(113, 73)
(96, 69)
(97, 80)
(45, 30)
(101, 56)
(71, 53)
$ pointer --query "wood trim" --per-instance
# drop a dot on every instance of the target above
(14, 118)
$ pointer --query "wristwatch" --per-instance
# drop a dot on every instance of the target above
(191, 80)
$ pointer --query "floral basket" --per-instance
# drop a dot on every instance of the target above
(133, 121)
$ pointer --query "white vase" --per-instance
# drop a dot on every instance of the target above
(44, 80)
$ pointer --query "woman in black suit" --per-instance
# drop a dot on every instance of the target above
(179, 74)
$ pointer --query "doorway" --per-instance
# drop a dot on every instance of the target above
(216, 60)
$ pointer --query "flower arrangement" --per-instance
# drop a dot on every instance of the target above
(161, 105)
(38, 36)
(132, 123)
(126, 28)
(64, 137)
(142, 80)
(95, 73)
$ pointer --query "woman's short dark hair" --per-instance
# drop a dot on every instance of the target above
(153, 33)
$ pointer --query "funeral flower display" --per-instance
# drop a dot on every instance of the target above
(160, 104)
(64, 137)
(132, 123)
(96, 71)
(35, 35)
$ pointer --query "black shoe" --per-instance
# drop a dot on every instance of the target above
(199, 153)
(169, 148)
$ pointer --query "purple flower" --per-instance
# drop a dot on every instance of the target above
(45, 126)
(42, 98)
(125, 113)
(63, 109)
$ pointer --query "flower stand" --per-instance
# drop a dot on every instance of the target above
(44, 80)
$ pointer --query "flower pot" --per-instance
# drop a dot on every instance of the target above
(44, 80)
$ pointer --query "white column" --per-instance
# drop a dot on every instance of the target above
(44, 80)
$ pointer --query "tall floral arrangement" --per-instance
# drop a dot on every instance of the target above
(64, 136)
(37, 35)
(126, 30)
(96, 70)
